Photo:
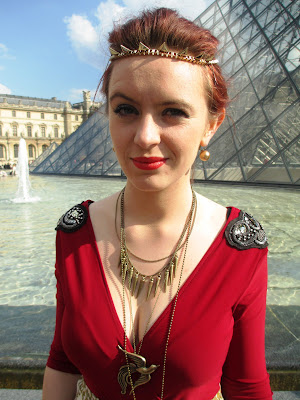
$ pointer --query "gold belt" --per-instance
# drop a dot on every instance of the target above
(84, 393)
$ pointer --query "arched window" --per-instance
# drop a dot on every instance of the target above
(2, 151)
(16, 150)
(31, 151)
(44, 147)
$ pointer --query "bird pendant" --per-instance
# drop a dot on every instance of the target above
(138, 365)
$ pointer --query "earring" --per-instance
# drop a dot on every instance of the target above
(204, 155)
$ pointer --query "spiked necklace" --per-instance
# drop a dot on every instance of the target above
(137, 362)
(135, 280)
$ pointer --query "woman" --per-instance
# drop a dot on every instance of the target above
(181, 311)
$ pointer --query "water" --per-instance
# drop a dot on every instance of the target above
(27, 236)
(23, 194)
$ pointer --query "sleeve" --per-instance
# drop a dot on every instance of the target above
(244, 372)
(57, 359)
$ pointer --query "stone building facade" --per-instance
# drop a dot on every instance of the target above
(39, 121)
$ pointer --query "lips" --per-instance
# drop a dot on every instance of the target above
(149, 163)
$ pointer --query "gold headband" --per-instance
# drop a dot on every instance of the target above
(162, 51)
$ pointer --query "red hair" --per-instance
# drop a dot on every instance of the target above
(155, 27)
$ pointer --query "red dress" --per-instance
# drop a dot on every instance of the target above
(217, 334)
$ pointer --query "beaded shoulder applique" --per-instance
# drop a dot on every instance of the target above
(245, 232)
(73, 219)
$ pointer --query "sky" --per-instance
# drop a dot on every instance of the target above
(58, 48)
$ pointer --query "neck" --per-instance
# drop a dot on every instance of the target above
(153, 207)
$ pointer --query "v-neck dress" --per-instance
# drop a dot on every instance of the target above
(217, 335)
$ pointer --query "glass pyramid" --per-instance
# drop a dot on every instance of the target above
(43, 156)
(259, 141)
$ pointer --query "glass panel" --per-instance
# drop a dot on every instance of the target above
(278, 101)
(260, 62)
(276, 172)
(218, 28)
(254, 46)
(244, 101)
(238, 82)
(294, 8)
(233, 64)
(204, 17)
(286, 127)
(271, 12)
(249, 125)
(267, 79)
(236, 13)
(243, 37)
(258, 8)
(287, 40)
(229, 172)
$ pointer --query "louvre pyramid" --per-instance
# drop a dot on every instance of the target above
(259, 141)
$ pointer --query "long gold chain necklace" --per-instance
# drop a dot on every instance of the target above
(136, 280)
(138, 363)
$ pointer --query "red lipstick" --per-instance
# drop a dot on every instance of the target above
(148, 163)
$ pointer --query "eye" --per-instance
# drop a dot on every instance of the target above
(175, 112)
(125, 109)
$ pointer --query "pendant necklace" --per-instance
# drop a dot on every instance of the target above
(135, 363)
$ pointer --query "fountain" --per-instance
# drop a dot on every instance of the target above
(24, 188)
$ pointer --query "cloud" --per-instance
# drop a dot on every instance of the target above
(4, 89)
(4, 52)
(88, 36)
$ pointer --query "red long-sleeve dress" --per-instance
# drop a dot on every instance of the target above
(217, 334)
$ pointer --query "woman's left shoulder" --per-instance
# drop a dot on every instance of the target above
(244, 231)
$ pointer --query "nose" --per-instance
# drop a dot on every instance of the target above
(147, 132)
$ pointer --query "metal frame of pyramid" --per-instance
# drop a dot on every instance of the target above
(259, 141)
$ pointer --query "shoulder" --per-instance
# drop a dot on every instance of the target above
(244, 231)
(74, 218)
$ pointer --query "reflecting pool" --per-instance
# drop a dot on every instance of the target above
(27, 236)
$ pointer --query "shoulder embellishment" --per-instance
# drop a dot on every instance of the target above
(245, 232)
(73, 219)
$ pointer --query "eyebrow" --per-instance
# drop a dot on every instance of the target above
(123, 96)
(179, 103)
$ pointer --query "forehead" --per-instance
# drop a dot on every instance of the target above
(157, 76)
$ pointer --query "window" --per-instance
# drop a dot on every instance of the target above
(15, 130)
(43, 131)
(44, 147)
(29, 130)
(13, 113)
(76, 117)
(56, 132)
(28, 114)
(55, 116)
(42, 116)
(0, 130)
(2, 151)
(16, 150)
(31, 151)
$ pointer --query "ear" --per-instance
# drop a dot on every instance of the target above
(212, 128)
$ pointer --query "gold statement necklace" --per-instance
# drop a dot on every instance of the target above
(135, 363)
(135, 280)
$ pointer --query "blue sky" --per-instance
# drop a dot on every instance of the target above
(57, 48)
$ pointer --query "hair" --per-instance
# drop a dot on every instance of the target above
(153, 28)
